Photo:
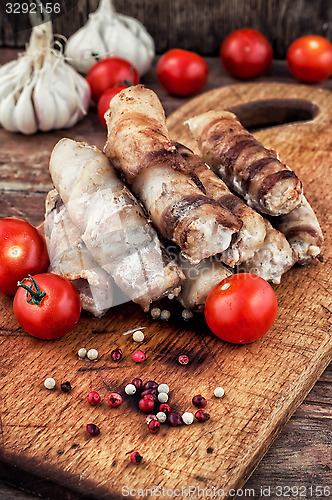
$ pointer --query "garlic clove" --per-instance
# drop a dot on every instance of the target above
(11, 75)
(7, 119)
(63, 111)
(43, 98)
(82, 90)
(24, 113)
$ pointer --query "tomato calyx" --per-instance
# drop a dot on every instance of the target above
(129, 83)
(34, 296)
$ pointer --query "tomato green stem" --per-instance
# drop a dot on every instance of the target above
(128, 82)
(33, 296)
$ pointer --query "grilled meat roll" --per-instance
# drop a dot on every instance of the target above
(70, 258)
(200, 281)
(272, 259)
(139, 146)
(245, 164)
(303, 232)
(112, 223)
(252, 233)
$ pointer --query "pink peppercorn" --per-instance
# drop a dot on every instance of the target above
(174, 419)
(137, 382)
(151, 384)
(139, 356)
(93, 398)
(202, 415)
(165, 408)
(154, 426)
(150, 417)
(93, 429)
(146, 404)
(199, 401)
(114, 399)
(183, 359)
(135, 457)
(116, 355)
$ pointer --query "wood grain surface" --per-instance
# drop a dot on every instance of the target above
(42, 433)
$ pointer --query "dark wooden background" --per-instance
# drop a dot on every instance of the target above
(201, 25)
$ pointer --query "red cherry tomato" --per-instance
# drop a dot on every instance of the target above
(182, 72)
(309, 59)
(105, 99)
(22, 251)
(241, 308)
(110, 72)
(246, 53)
(50, 309)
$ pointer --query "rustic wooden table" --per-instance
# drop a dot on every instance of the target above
(301, 455)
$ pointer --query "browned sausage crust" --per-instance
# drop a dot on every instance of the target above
(303, 232)
(245, 164)
(251, 236)
(139, 146)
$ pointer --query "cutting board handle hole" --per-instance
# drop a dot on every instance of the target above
(258, 115)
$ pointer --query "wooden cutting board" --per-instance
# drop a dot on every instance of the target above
(43, 432)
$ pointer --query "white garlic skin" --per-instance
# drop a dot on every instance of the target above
(39, 91)
(109, 34)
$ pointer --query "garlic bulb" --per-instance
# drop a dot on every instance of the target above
(39, 91)
(109, 34)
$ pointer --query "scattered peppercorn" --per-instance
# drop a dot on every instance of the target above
(199, 401)
(165, 315)
(150, 417)
(163, 388)
(188, 418)
(130, 389)
(162, 397)
(146, 404)
(65, 387)
(161, 416)
(155, 312)
(165, 408)
(187, 314)
(93, 398)
(202, 415)
(93, 429)
(92, 354)
(174, 419)
(151, 384)
(138, 336)
(137, 382)
(219, 392)
(139, 356)
(135, 457)
(116, 355)
(183, 359)
(49, 383)
(114, 399)
(154, 426)
(82, 353)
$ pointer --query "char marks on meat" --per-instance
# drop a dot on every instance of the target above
(139, 145)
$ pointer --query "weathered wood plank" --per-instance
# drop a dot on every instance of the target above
(202, 25)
